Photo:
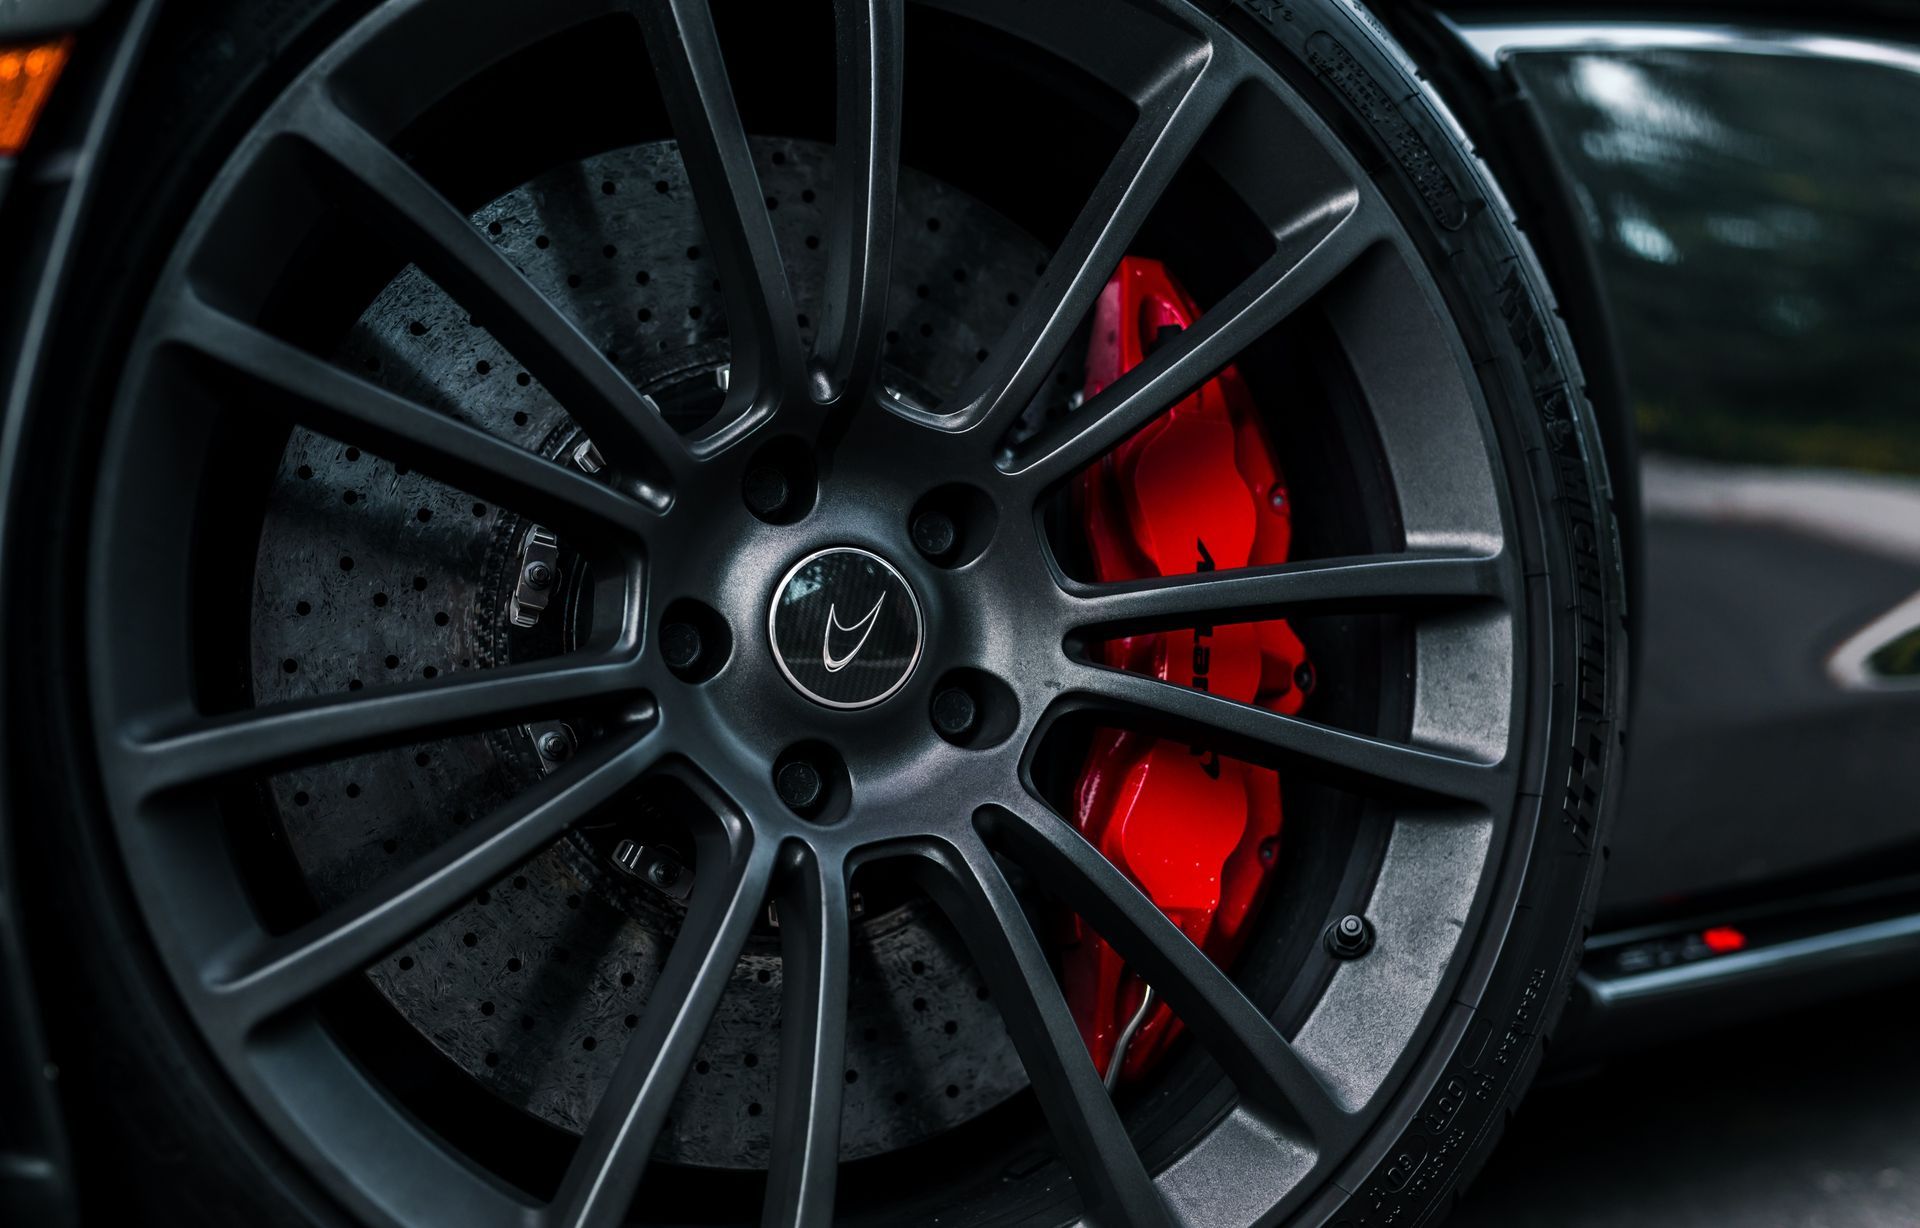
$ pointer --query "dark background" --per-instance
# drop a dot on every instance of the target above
(1809, 1120)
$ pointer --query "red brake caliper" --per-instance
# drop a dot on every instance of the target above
(1196, 490)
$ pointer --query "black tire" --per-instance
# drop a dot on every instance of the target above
(159, 1134)
(1448, 1122)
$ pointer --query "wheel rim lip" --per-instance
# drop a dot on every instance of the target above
(103, 631)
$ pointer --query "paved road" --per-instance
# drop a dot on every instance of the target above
(1808, 1121)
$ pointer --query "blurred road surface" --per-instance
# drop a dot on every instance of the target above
(1805, 1121)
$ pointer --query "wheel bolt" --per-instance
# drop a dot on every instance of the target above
(954, 713)
(538, 575)
(765, 489)
(799, 784)
(934, 534)
(1303, 676)
(556, 746)
(1350, 937)
(680, 645)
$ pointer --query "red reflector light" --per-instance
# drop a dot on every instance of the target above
(1723, 939)
(27, 74)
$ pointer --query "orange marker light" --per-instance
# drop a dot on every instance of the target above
(27, 75)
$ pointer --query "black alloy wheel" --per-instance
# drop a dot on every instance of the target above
(585, 641)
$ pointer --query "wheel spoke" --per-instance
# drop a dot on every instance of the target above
(1257, 735)
(1107, 1170)
(626, 425)
(1170, 123)
(607, 1167)
(813, 1046)
(1350, 585)
(1279, 288)
(323, 727)
(286, 970)
(319, 395)
(1258, 1059)
(865, 176)
(685, 50)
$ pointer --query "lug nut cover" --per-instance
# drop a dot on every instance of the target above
(799, 784)
(934, 534)
(954, 712)
(765, 490)
(680, 644)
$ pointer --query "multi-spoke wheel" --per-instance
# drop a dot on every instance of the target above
(588, 636)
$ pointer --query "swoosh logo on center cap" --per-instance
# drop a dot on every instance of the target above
(836, 664)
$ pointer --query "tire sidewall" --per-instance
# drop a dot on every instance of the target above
(1516, 976)
(159, 1136)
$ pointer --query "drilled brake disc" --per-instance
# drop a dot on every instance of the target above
(369, 573)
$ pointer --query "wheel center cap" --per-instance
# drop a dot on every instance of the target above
(846, 628)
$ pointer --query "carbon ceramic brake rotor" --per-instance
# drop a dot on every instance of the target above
(369, 574)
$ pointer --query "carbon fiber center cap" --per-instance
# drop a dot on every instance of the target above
(846, 628)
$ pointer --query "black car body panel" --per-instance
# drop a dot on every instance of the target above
(1743, 189)
(1751, 199)
(21, 19)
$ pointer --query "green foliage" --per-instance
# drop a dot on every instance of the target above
(1899, 658)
